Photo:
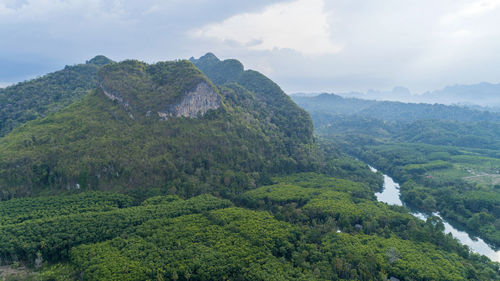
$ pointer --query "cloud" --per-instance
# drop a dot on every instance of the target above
(37, 11)
(470, 10)
(5, 84)
(300, 25)
(304, 45)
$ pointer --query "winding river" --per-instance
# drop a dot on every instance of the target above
(390, 195)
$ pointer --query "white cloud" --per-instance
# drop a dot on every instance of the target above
(300, 25)
(471, 9)
(304, 45)
(5, 84)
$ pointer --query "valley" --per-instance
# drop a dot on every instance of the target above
(445, 164)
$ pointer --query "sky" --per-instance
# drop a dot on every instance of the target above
(303, 45)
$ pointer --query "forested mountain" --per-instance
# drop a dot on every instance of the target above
(408, 122)
(482, 96)
(160, 128)
(50, 93)
(332, 104)
(295, 121)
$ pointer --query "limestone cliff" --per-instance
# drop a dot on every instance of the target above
(194, 103)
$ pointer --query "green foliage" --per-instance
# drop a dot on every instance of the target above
(59, 272)
(454, 187)
(99, 60)
(160, 199)
(48, 94)
(18, 210)
(429, 166)
(445, 157)
(149, 88)
(97, 143)
(226, 244)
(407, 260)
(351, 237)
(283, 108)
(220, 72)
(295, 226)
(296, 237)
(54, 236)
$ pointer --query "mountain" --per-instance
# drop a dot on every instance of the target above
(231, 71)
(161, 128)
(50, 93)
(482, 94)
(445, 157)
(396, 94)
(332, 104)
(436, 124)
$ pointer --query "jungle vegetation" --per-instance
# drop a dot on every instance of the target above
(446, 158)
(103, 190)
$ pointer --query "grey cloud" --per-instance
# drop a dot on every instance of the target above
(422, 45)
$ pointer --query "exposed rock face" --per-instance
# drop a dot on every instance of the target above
(114, 97)
(118, 99)
(194, 103)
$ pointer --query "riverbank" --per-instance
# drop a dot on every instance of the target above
(391, 195)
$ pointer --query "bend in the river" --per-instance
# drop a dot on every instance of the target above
(391, 195)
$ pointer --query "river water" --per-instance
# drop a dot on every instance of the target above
(390, 195)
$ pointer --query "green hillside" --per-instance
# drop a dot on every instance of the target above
(116, 138)
(48, 94)
(281, 105)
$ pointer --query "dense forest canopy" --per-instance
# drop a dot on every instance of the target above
(305, 226)
(107, 189)
(102, 144)
(42, 96)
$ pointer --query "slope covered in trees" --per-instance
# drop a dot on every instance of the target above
(295, 122)
(50, 93)
(116, 139)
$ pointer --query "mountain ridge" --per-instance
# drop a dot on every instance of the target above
(336, 104)
(100, 143)
(47, 94)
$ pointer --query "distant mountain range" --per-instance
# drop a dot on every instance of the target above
(415, 122)
(332, 104)
(482, 96)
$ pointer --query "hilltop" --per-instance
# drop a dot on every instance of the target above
(50, 93)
